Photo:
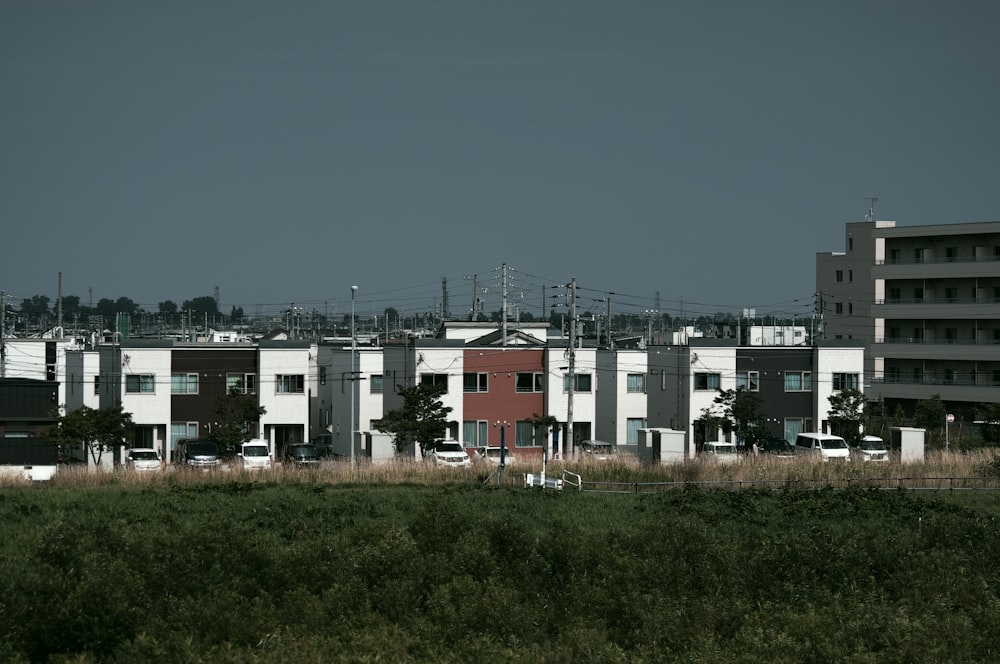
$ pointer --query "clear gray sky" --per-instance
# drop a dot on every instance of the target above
(283, 151)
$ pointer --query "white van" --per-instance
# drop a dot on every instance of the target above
(823, 446)
(255, 454)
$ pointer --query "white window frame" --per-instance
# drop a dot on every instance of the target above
(190, 380)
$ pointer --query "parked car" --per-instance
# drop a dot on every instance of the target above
(255, 455)
(822, 446)
(598, 450)
(777, 447)
(872, 448)
(720, 451)
(492, 455)
(302, 455)
(143, 459)
(198, 453)
(450, 453)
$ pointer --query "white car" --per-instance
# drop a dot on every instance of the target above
(451, 454)
(255, 454)
(144, 459)
(720, 451)
(872, 448)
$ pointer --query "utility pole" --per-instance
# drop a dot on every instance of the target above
(503, 307)
(3, 334)
(570, 443)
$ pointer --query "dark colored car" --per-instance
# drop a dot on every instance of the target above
(777, 447)
(302, 455)
(198, 453)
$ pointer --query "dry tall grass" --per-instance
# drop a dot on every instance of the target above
(979, 468)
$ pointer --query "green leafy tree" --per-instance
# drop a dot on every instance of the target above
(36, 308)
(740, 411)
(847, 414)
(99, 430)
(989, 413)
(237, 414)
(422, 419)
(200, 306)
(929, 414)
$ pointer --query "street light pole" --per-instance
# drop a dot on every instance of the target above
(354, 377)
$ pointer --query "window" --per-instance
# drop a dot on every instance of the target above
(97, 384)
(951, 334)
(636, 383)
(376, 384)
(184, 383)
(951, 254)
(918, 294)
(180, 430)
(840, 276)
(894, 256)
(850, 275)
(918, 375)
(581, 383)
(996, 376)
(524, 434)
(895, 294)
(951, 294)
(748, 380)
(289, 384)
(839, 308)
(949, 376)
(528, 382)
(139, 384)
(707, 381)
(845, 381)
(798, 381)
(475, 382)
(435, 380)
(322, 375)
(850, 307)
(632, 426)
(475, 433)
(918, 255)
(892, 375)
(244, 383)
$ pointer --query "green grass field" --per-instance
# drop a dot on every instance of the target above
(298, 568)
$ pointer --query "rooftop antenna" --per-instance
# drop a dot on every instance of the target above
(871, 207)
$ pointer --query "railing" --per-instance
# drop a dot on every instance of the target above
(939, 261)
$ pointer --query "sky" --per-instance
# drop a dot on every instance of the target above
(686, 157)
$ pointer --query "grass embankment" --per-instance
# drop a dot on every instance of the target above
(296, 568)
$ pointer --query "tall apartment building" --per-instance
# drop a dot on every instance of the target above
(926, 302)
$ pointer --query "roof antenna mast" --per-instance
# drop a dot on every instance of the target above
(871, 207)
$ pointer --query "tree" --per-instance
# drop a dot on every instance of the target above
(544, 422)
(99, 430)
(847, 414)
(36, 308)
(422, 419)
(989, 413)
(200, 306)
(740, 413)
(929, 414)
(238, 414)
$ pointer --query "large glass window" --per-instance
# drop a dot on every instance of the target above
(184, 383)
(581, 384)
(524, 434)
(707, 381)
(245, 383)
(845, 381)
(748, 380)
(632, 426)
(180, 430)
(289, 384)
(636, 382)
(475, 382)
(528, 382)
(139, 384)
(475, 433)
(435, 380)
(798, 381)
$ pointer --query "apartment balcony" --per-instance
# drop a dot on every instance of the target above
(940, 308)
(979, 390)
(936, 349)
(945, 268)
